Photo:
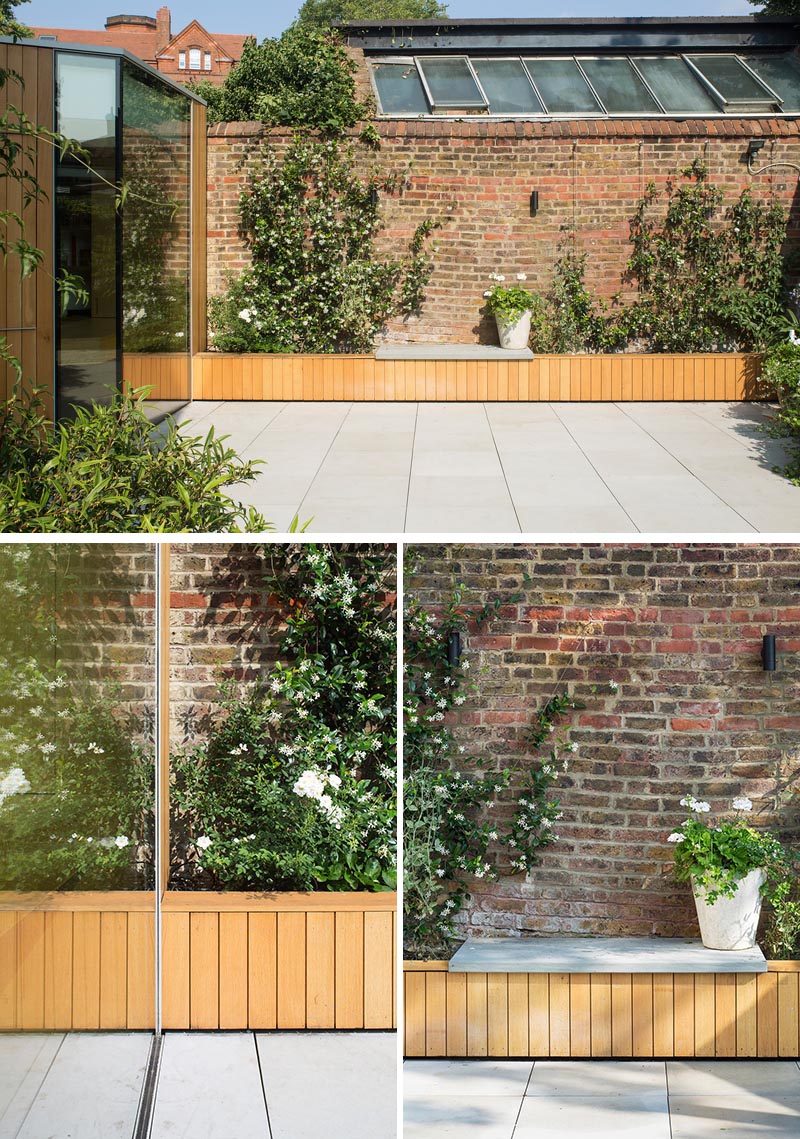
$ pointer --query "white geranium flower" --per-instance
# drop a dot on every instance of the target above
(245, 315)
(522, 276)
(14, 782)
(203, 843)
(701, 808)
(121, 841)
(743, 804)
(676, 836)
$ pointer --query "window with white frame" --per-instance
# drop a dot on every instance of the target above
(181, 60)
(207, 61)
(194, 58)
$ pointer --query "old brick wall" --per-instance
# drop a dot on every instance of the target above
(679, 629)
(476, 177)
(223, 625)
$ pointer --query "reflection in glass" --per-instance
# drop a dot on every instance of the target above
(675, 85)
(451, 83)
(155, 217)
(399, 89)
(86, 223)
(562, 87)
(732, 79)
(781, 74)
(507, 87)
(618, 87)
(76, 718)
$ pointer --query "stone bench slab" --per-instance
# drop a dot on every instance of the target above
(601, 955)
(449, 352)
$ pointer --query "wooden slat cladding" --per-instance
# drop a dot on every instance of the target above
(619, 377)
(167, 375)
(641, 1015)
(319, 961)
(26, 306)
(291, 969)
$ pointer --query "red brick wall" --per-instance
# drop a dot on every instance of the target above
(479, 174)
(679, 628)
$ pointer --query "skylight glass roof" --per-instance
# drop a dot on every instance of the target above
(628, 84)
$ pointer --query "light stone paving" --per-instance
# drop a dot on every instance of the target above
(211, 1085)
(601, 1099)
(503, 468)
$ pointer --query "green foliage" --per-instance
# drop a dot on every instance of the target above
(777, 7)
(450, 834)
(705, 282)
(322, 13)
(781, 373)
(716, 855)
(109, 470)
(9, 25)
(577, 321)
(296, 786)
(781, 940)
(316, 284)
(75, 780)
(508, 302)
(302, 79)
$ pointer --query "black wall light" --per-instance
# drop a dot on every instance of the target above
(534, 203)
(453, 647)
(768, 658)
(753, 147)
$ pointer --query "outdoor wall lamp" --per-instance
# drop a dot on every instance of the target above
(768, 656)
(753, 147)
(534, 203)
(453, 647)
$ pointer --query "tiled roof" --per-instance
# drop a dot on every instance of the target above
(138, 40)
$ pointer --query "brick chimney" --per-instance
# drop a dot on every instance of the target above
(163, 32)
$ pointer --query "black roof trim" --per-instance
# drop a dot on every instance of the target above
(687, 33)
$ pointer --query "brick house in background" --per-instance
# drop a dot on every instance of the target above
(192, 53)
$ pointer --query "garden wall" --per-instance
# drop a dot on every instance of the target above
(477, 177)
(679, 629)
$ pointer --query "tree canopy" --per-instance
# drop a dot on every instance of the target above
(322, 13)
(777, 7)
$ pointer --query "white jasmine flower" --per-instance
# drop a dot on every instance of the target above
(612, 684)
(334, 781)
(121, 841)
(14, 783)
(203, 843)
(309, 786)
(245, 315)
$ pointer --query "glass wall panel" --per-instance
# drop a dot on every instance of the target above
(507, 87)
(562, 87)
(676, 86)
(450, 82)
(731, 78)
(782, 75)
(400, 89)
(156, 265)
(86, 230)
(618, 87)
(77, 831)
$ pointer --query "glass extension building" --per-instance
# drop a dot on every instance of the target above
(118, 221)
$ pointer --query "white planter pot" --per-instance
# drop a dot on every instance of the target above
(731, 923)
(514, 333)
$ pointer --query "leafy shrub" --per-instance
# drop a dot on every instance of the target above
(705, 282)
(302, 79)
(295, 787)
(320, 13)
(109, 470)
(316, 284)
(781, 373)
(578, 321)
(781, 940)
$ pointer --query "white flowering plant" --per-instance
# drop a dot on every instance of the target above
(295, 786)
(317, 282)
(76, 776)
(718, 852)
(453, 832)
(508, 302)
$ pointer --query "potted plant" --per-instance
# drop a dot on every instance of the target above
(511, 307)
(731, 867)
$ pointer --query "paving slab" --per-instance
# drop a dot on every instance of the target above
(25, 1060)
(425, 1078)
(330, 1084)
(92, 1088)
(209, 1088)
(734, 1117)
(599, 1078)
(460, 1117)
(731, 1077)
(600, 955)
(642, 1116)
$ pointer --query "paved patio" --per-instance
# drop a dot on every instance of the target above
(511, 467)
(221, 1085)
(596, 1099)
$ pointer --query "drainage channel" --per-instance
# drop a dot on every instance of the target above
(147, 1100)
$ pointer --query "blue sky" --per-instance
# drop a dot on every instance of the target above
(260, 19)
